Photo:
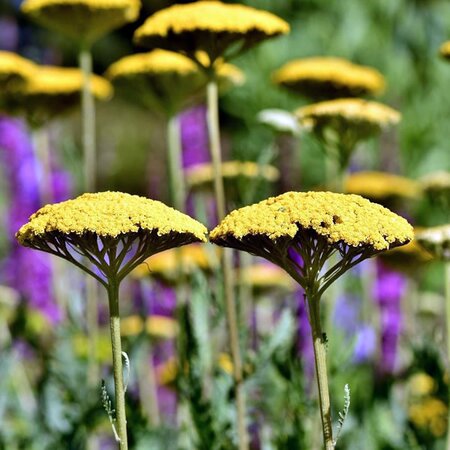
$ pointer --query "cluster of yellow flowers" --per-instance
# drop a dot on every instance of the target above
(329, 77)
(109, 214)
(350, 219)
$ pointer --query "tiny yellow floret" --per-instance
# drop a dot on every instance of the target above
(345, 218)
(109, 214)
(329, 77)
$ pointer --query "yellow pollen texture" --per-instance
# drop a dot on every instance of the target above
(345, 218)
(108, 214)
(329, 70)
(211, 16)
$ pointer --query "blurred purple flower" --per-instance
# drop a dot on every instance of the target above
(365, 345)
(194, 136)
(9, 34)
(27, 271)
(305, 347)
(388, 292)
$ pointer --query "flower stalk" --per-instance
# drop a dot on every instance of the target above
(113, 298)
(226, 257)
(176, 179)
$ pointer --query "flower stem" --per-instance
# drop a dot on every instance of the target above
(89, 173)
(319, 342)
(447, 305)
(116, 345)
(176, 180)
(88, 121)
(227, 262)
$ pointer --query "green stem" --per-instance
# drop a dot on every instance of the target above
(319, 343)
(89, 169)
(176, 179)
(227, 262)
(116, 345)
(447, 305)
(88, 122)
(41, 144)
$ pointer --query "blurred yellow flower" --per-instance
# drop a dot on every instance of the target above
(444, 50)
(421, 384)
(170, 264)
(161, 327)
(380, 186)
(326, 78)
(211, 26)
(431, 414)
(82, 347)
(436, 240)
(201, 175)
(264, 276)
(131, 325)
(84, 20)
(14, 70)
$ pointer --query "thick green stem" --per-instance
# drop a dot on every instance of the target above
(319, 342)
(116, 345)
(227, 263)
(176, 179)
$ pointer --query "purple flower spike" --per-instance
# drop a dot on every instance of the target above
(388, 292)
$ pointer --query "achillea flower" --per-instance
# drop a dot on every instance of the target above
(341, 124)
(266, 277)
(55, 90)
(165, 80)
(444, 50)
(429, 414)
(421, 384)
(173, 264)
(201, 175)
(436, 186)
(326, 78)
(300, 231)
(115, 232)
(381, 186)
(210, 26)
(84, 20)
(160, 327)
(14, 70)
(436, 240)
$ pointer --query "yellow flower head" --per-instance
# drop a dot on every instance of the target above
(326, 78)
(381, 186)
(436, 240)
(348, 112)
(211, 26)
(429, 414)
(169, 265)
(444, 50)
(84, 20)
(105, 227)
(421, 384)
(131, 325)
(55, 90)
(264, 277)
(161, 327)
(201, 175)
(14, 70)
(314, 225)
(165, 80)
(345, 122)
